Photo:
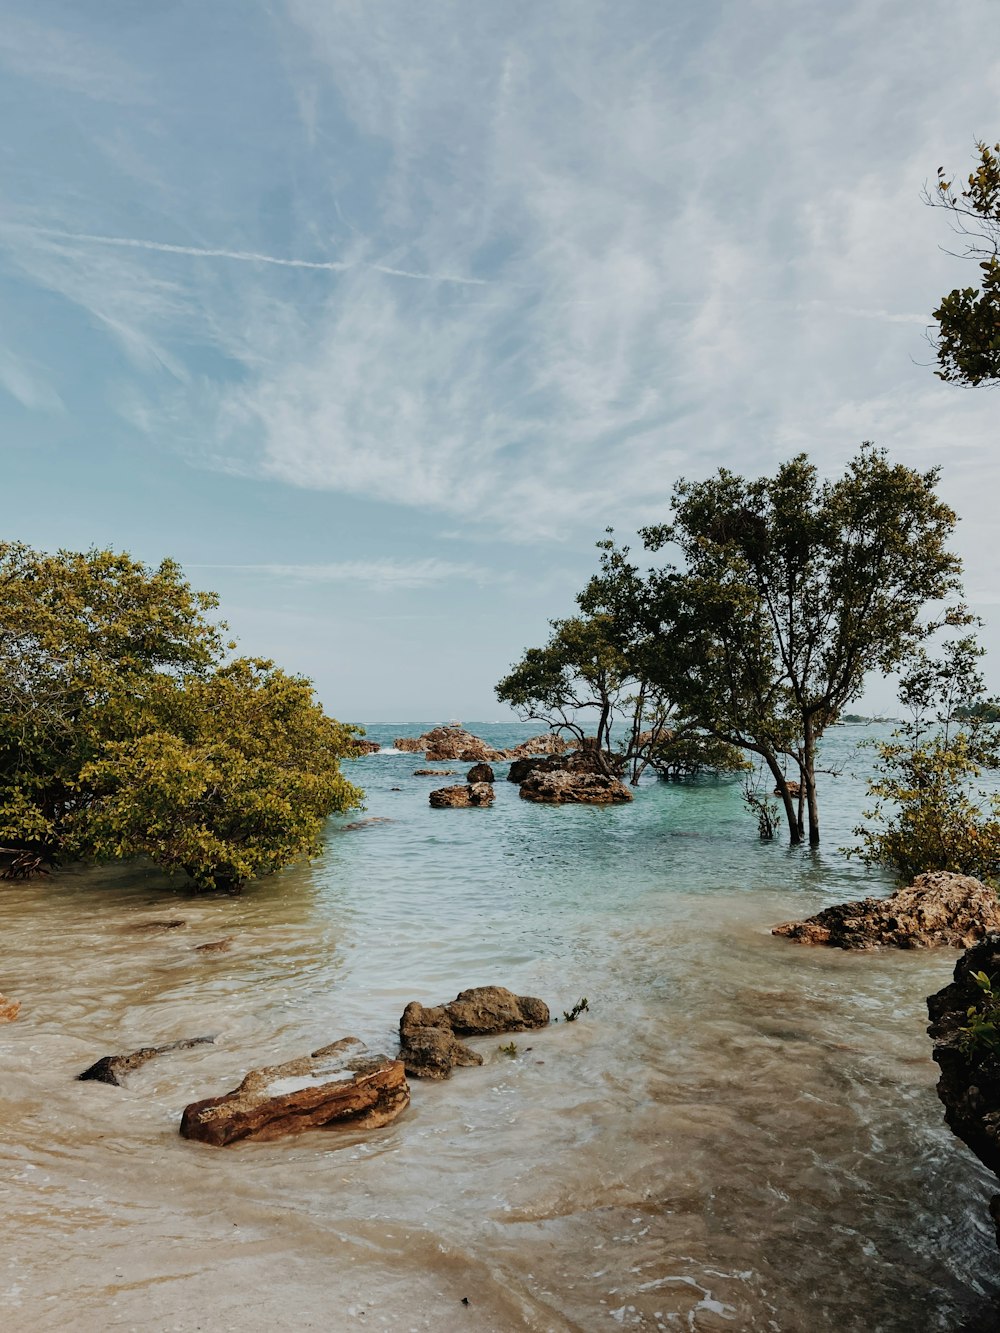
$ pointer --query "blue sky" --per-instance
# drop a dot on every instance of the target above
(375, 315)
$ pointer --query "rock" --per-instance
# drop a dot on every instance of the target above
(938, 908)
(434, 772)
(9, 1009)
(339, 1084)
(577, 761)
(215, 946)
(366, 747)
(793, 790)
(480, 773)
(474, 793)
(174, 924)
(408, 744)
(429, 1045)
(520, 768)
(548, 743)
(370, 822)
(113, 1068)
(560, 788)
(969, 1086)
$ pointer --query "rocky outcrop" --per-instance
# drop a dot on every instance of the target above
(480, 773)
(588, 760)
(429, 1045)
(969, 1055)
(114, 1068)
(365, 747)
(794, 789)
(9, 1009)
(938, 908)
(434, 772)
(408, 744)
(563, 788)
(339, 1084)
(547, 743)
(473, 793)
(520, 768)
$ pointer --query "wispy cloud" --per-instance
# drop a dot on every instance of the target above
(379, 574)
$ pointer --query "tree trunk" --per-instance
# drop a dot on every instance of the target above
(781, 784)
(809, 782)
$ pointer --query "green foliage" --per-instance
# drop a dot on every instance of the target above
(581, 1006)
(121, 732)
(584, 680)
(687, 753)
(510, 1049)
(982, 1032)
(928, 814)
(787, 591)
(968, 318)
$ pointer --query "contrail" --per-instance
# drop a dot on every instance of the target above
(251, 256)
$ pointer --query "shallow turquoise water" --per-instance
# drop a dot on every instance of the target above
(740, 1133)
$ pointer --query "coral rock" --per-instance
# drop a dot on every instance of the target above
(429, 1045)
(938, 908)
(480, 773)
(474, 793)
(558, 788)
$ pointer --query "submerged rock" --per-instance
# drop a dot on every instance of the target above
(9, 1009)
(434, 772)
(474, 793)
(429, 1045)
(938, 908)
(559, 788)
(480, 773)
(969, 1056)
(343, 1083)
(114, 1068)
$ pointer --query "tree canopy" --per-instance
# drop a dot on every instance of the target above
(123, 730)
(968, 318)
(784, 593)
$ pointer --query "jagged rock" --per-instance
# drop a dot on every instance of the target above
(480, 773)
(408, 744)
(520, 768)
(793, 790)
(547, 743)
(938, 908)
(339, 1084)
(9, 1009)
(434, 772)
(429, 1047)
(366, 747)
(560, 788)
(114, 1068)
(473, 793)
(969, 1086)
(577, 761)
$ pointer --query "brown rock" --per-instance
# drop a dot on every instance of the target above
(339, 1084)
(793, 790)
(366, 747)
(548, 743)
(559, 788)
(480, 773)
(434, 772)
(114, 1068)
(9, 1009)
(474, 793)
(938, 908)
(216, 946)
(173, 924)
(429, 1046)
(408, 744)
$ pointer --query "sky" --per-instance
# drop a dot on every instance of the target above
(376, 315)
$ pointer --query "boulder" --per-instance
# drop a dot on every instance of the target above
(548, 743)
(434, 772)
(9, 1009)
(577, 761)
(938, 908)
(793, 790)
(429, 1045)
(339, 1084)
(520, 768)
(114, 1068)
(479, 773)
(408, 744)
(969, 1086)
(473, 793)
(562, 788)
(365, 747)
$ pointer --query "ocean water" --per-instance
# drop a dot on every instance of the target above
(740, 1133)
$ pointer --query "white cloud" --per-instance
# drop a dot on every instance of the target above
(380, 574)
